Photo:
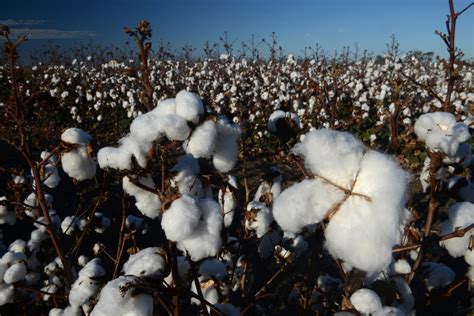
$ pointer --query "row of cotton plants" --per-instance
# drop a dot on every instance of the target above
(160, 220)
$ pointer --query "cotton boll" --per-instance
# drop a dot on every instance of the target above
(181, 218)
(366, 301)
(49, 176)
(7, 293)
(15, 273)
(86, 286)
(173, 126)
(147, 202)
(117, 298)
(186, 169)
(469, 257)
(205, 239)
(164, 107)
(121, 157)
(460, 215)
(319, 149)
(226, 149)
(389, 311)
(17, 246)
(304, 203)
(75, 135)
(228, 203)
(149, 262)
(208, 289)
(258, 218)
(143, 128)
(203, 139)
(401, 266)
(438, 275)
(78, 164)
(189, 106)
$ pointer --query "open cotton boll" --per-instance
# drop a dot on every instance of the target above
(469, 257)
(205, 239)
(258, 218)
(208, 289)
(7, 293)
(186, 179)
(49, 176)
(372, 226)
(331, 154)
(181, 218)
(121, 157)
(366, 301)
(78, 163)
(461, 215)
(189, 106)
(304, 203)
(148, 262)
(15, 273)
(202, 140)
(86, 286)
(165, 107)
(117, 298)
(401, 266)
(228, 203)
(438, 275)
(173, 127)
(143, 128)
(389, 311)
(75, 135)
(226, 149)
(440, 132)
(147, 202)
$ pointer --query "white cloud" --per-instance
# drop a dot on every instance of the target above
(33, 33)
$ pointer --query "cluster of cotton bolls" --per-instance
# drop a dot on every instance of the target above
(443, 135)
(361, 192)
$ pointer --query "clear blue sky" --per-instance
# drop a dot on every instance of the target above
(331, 23)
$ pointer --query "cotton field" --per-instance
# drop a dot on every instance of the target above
(231, 185)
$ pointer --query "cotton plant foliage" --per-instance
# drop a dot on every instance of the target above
(361, 192)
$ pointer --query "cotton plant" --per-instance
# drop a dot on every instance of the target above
(360, 192)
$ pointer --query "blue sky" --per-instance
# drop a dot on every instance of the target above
(331, 23)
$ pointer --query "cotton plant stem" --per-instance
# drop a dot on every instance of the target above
(122, 239)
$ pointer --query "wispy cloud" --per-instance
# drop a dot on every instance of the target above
(33, 33)
(16, 22)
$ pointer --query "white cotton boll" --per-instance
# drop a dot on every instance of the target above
(86, 286)
(56, 312)
(208, 290)
(389, 311)
(143, 128)
(401, 266)
(17, 246)
(50, 177)
(366, 301)
(113, 300)
(205, 240)
(202, 140)
(148, 262)
(186, 169)
(82, 260)
(173, 126)
(440, 131)
(372, 226)
(164, 107)
(469, 257)
(213, 268)
(68, 225)
(50, 289)
(15, 273)
(320, 147)
(461, 215)
(181, 218)
(260, 220)
(75, 135)
(36, 238)
(228, 203)
(304, 203)
(226, 149)
(78, 164)
(438, 275)
(121, 157)
(147, 202)
(189, 106)
(7, 293)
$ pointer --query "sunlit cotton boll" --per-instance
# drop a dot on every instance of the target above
(461, 215)
(226, 149)
(202, 141)
(149, 262)
(189, 106)
(118, 298)
(148, 203)
(366, 301)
